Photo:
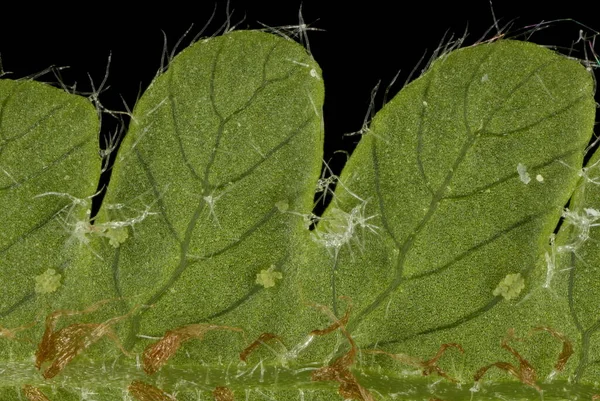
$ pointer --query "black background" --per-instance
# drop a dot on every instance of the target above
(359, 46)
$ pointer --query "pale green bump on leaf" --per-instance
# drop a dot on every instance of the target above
(283, 206)
(510, 287)
(523, 174)
(432, 225)
(47, 282)
(117, 236)
(267, 277)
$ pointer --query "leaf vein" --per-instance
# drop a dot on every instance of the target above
(159, 200)
(48, 168)
(515, 174)
(474, 248)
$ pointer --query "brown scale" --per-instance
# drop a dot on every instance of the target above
(567, 349)
(525, 373)
(60, 346)
(337, 323)
(262, 339)
(223, 394)
(429, 366)
(146, 392)
(34, 393)
(339, 371)
(157, 354)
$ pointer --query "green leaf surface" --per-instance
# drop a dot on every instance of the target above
(440, 232)
(48, 157)
(219, 163)
(572, 268)
(438, 175)
(49, 167)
